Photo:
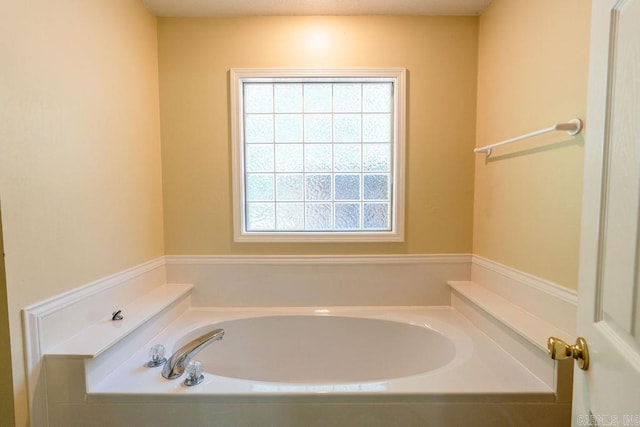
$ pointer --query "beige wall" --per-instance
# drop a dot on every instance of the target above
(80, 174)
(6, 385)
(80, 169)
(532, 72)
(195, 56)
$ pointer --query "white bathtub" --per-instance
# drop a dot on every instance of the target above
(325, 349)
(430, 353)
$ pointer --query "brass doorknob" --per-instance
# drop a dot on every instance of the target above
(560, 350)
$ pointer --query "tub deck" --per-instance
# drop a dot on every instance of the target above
(483, 373)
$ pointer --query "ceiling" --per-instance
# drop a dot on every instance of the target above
(201, 8)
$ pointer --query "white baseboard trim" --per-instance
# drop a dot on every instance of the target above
(542, 285)
(65, 299)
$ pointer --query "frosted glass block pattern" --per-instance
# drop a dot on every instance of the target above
(376, 187)
(289, 157)
(258, 98)
(347, 97)
(288, 128)
(376, 157)
(287, 98)
(317, 158)
(347, 216)
(260, 187)
(318, 98)
(290, 217)
(376, 98)
(318, 187)
(318, 216)
(259, 158)
(260, 216)
(376, 216)
(289, 187)
(347, 128)
(376, 128)
(346, 157)
(347, 187)
(258, 128)
(318, 127)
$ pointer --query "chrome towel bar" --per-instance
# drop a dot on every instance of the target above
(572, 127)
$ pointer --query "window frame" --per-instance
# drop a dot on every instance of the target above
(238, 76)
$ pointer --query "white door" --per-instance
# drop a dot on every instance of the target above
(608, 393)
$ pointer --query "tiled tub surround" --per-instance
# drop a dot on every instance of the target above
(97, 377)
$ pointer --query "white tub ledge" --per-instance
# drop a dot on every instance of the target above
(519, 332)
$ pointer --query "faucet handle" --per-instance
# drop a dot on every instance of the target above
(156, 354)
(194, 373)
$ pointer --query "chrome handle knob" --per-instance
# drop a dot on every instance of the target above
(560, 350)
(156, 356)
(194, 373)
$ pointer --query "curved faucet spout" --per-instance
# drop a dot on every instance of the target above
(174, 367)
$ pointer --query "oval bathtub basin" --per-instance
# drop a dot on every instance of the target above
(322, 349)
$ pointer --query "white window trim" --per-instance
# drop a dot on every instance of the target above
(396, 234)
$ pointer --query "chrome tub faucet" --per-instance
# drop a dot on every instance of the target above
(175, 366)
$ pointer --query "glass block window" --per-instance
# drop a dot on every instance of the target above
(317, 155)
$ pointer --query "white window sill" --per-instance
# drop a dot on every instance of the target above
(319, 237)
